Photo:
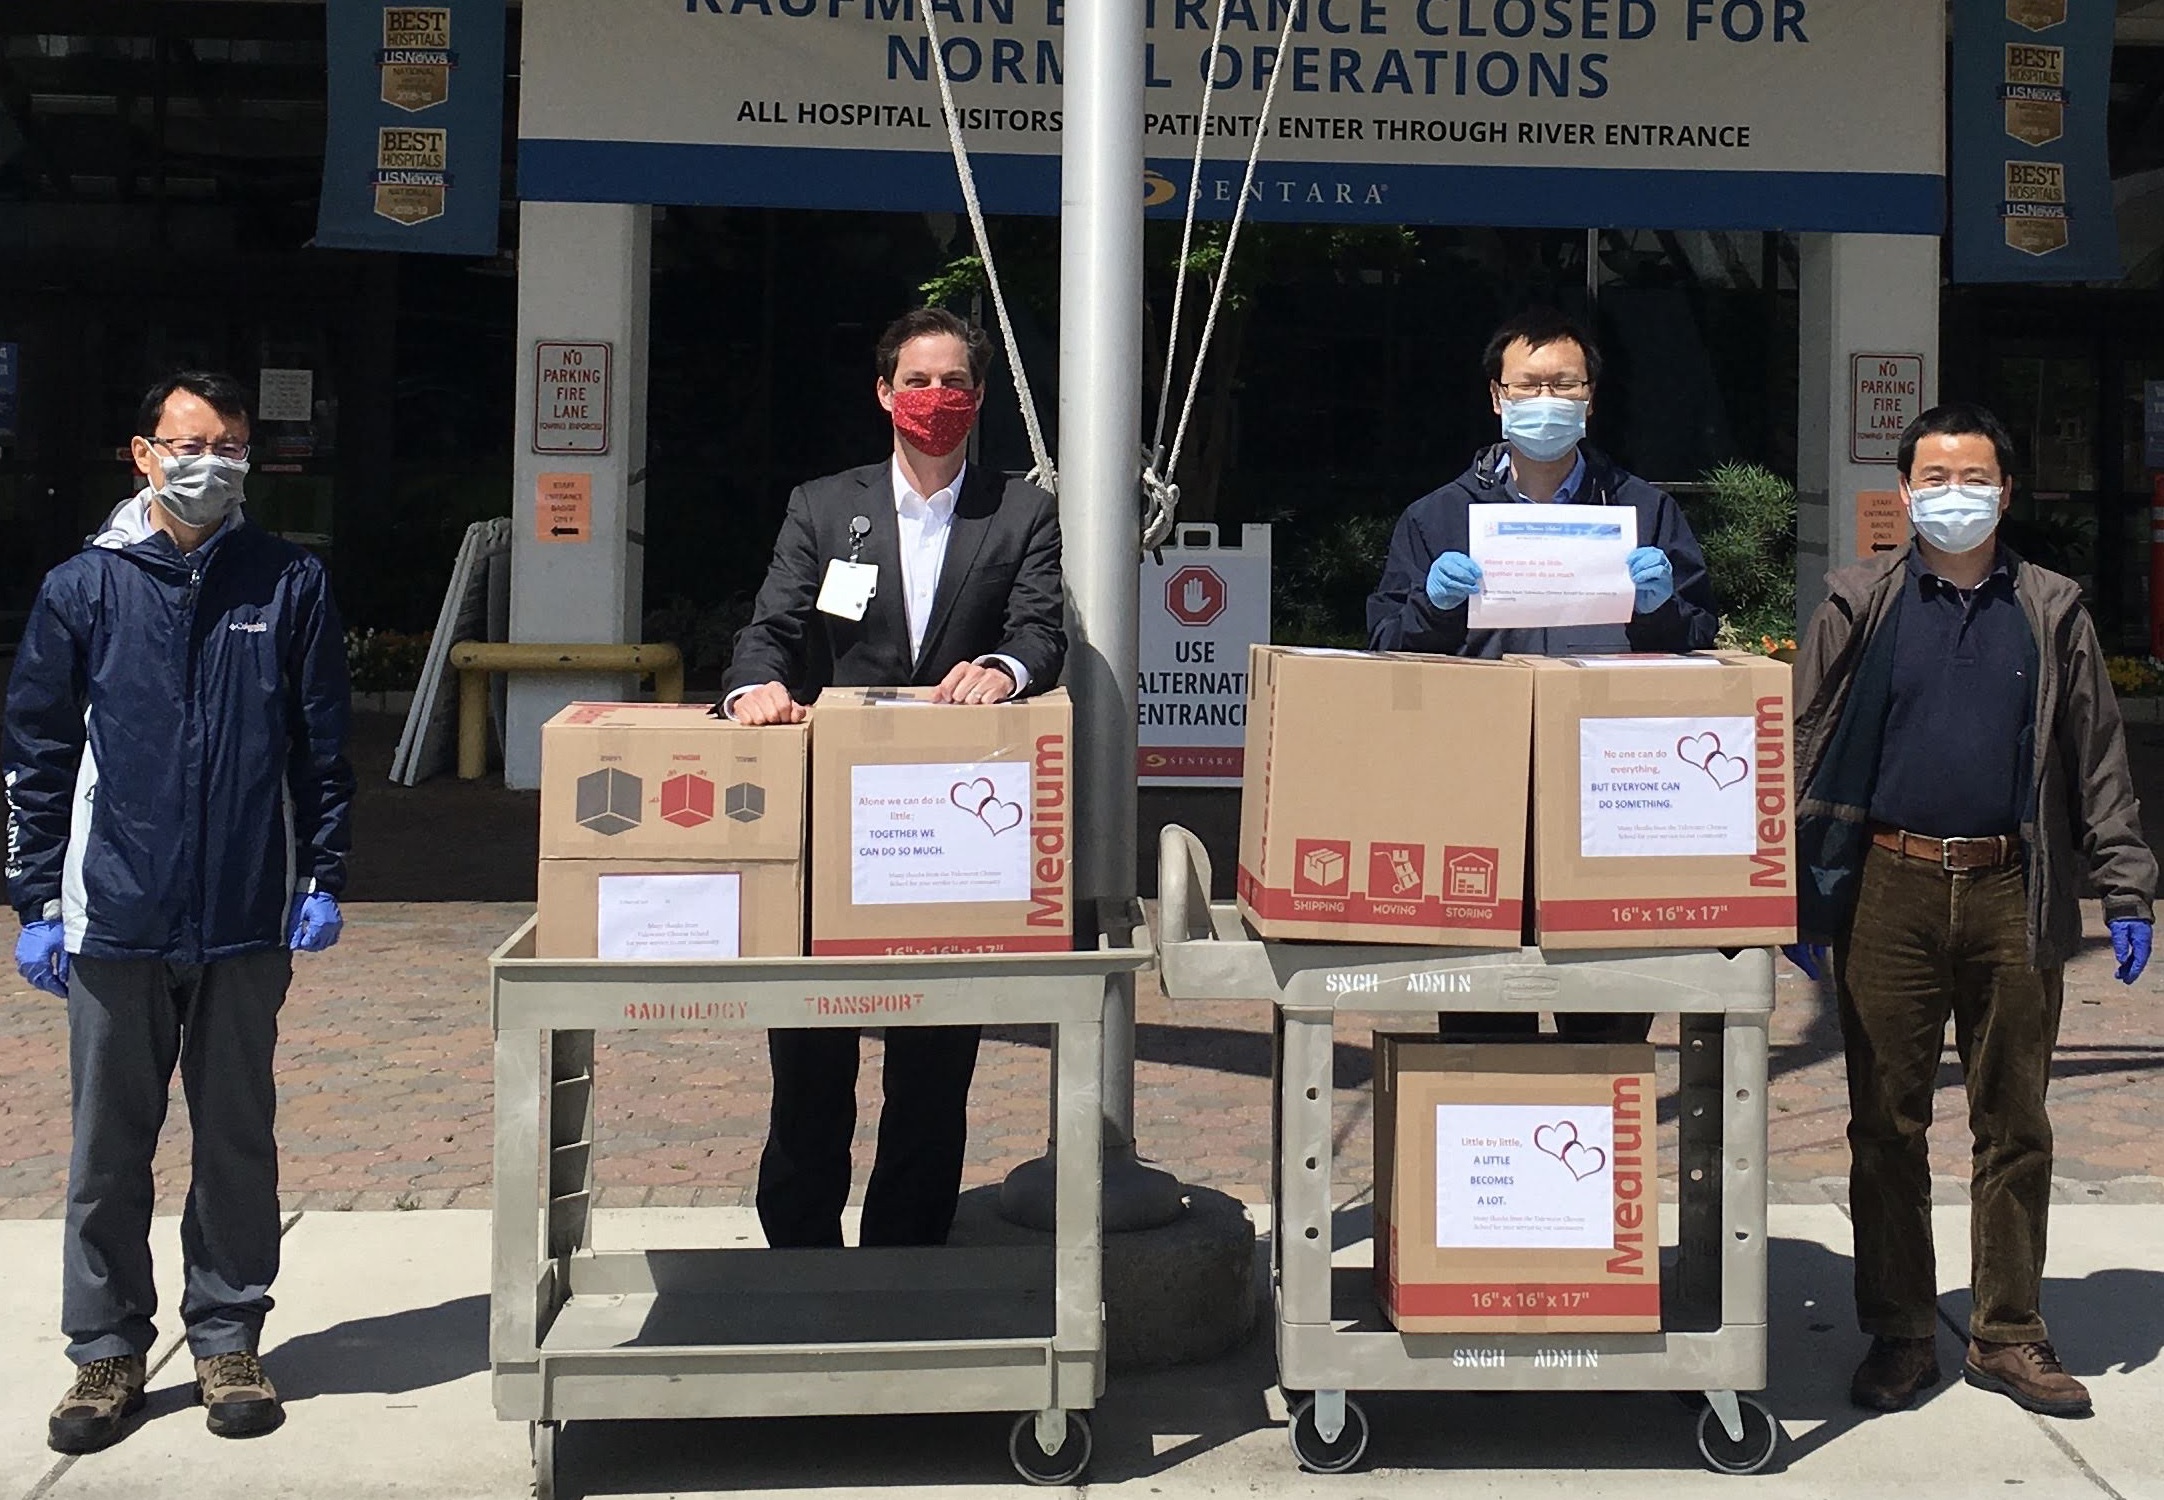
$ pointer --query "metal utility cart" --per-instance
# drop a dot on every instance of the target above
(1331, 1339)
(577, 1335)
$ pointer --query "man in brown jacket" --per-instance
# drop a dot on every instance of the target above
(1965, 776)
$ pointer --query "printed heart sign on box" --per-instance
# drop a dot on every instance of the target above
(1561, 1141)
(1651, 787)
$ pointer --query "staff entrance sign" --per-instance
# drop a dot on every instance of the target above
(1805, 115)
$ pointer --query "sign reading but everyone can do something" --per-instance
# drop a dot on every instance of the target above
(1689, 114)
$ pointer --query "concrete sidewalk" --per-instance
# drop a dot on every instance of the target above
(379, 1344)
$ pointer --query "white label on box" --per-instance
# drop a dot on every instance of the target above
(1524, 1177)
(670, 916)
(1643, 659)
(929, 833)
(1663, 787)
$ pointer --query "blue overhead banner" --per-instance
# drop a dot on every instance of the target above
(1666, 114)
(413, 155)
(2031, 166)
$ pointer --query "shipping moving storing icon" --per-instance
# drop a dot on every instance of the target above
(1322, 866)
(1469, 874)
(1397, 870)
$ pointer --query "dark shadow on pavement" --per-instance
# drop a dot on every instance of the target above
(2105, 1323)
(409, 1350)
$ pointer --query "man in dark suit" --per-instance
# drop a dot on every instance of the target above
(917, 571)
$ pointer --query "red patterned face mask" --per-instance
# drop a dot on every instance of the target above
(935, 419)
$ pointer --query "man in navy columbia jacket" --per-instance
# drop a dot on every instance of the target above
(177, 797)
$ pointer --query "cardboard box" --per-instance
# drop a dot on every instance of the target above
(669, 781)
(1385, 798)
(668, 833)
(1664, 796)
(939, 828)
(1516, 1187)
(662, 909)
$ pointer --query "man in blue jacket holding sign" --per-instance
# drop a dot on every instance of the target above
(1542, 372)
(1543, 369)
(178, 799)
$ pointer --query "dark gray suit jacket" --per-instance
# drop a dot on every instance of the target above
(999, 589)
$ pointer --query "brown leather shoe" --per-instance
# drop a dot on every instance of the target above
(2027, 1374)
(1893, 1372)
(91, 1415)
(238, 1399)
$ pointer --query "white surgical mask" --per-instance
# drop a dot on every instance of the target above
(1544, 428)
(203, 490)
(1955, 518)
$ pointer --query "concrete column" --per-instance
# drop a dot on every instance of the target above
(1860, 294)
(583, 273)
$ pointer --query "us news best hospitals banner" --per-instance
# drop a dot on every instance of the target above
(2032, 171)
(412, 158)
(1671, 114)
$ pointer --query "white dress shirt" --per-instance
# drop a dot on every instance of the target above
(924, 524)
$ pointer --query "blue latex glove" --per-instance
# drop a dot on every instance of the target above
(316, 923)
(2130, 942)
(1809, 957)
(1454, 579)
(1655, 577)
(41, 957)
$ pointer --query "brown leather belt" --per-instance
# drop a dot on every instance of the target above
(1950, 854)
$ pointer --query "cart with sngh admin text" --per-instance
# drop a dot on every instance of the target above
(1332, 1341)
(577, 1334)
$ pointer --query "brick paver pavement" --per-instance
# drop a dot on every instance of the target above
(384, 1076)
(384, 1057)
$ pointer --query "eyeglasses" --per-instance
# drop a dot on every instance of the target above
(1570, 387)
(196, 448)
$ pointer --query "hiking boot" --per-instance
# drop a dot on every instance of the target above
(1893, 1372)
(2028, 1374)
(106, 1393)
(238, 1399)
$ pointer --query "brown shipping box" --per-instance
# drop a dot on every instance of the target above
(669, 833)
(939, 828)
(1516, 1187)
(1664, 802)
(1385, 798)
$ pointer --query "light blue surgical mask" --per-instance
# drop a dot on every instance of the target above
(203, 489)
(1544, 428)
(1955, 518)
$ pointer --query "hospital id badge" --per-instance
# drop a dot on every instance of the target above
(848, 589)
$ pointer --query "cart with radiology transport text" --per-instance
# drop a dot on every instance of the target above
(577, 1334)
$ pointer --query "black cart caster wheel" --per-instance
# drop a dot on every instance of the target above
(1319, 1457)
(541, 1438)
(1723, 1454)
(1040, 1467)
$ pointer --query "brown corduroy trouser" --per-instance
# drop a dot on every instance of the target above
(1927, 944)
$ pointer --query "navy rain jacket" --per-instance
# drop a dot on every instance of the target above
(1400, 618)
(175, 744)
